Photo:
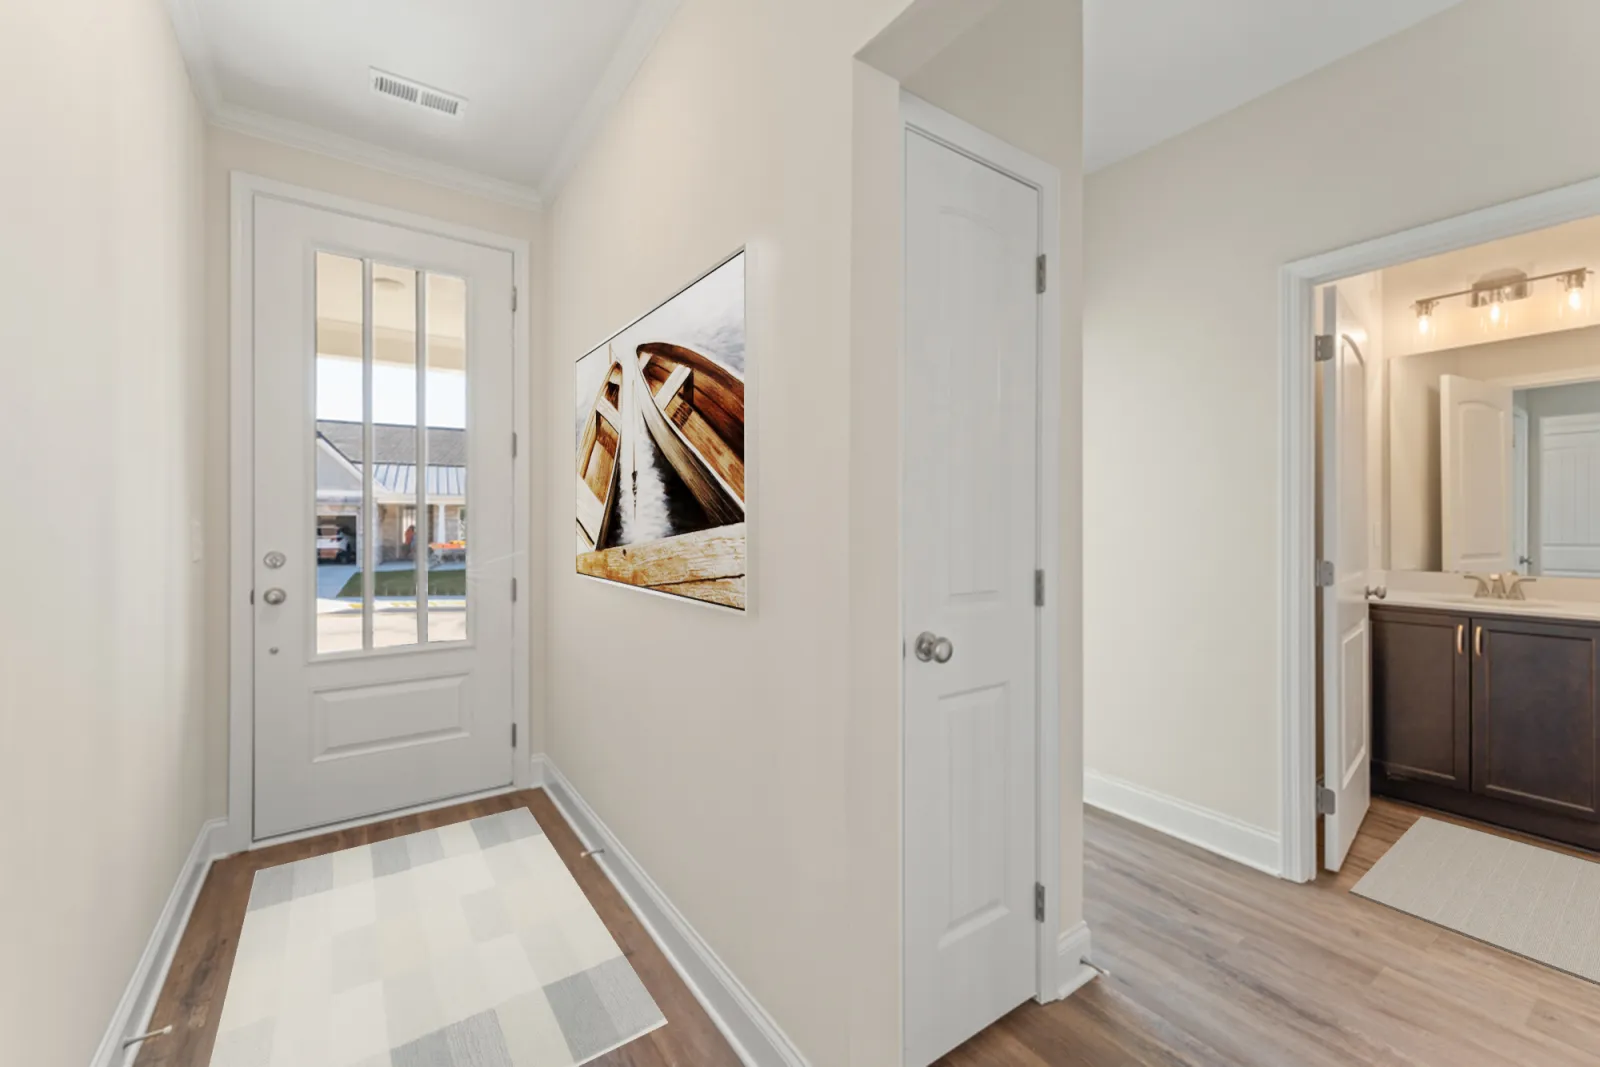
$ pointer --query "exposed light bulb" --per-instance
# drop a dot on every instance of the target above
(1494, 312)
(1575, 298)
(1424, 321)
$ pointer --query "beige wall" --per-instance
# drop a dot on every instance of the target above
(227, 151)
(747, 770)
(1182, 497)
(101, 729)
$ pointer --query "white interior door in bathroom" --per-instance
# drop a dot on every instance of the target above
(1346, 634)
(1476, 485)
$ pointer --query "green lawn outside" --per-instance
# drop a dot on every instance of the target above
(452, 582)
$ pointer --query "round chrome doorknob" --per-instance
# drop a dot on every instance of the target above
(274, 597)
(932, 647)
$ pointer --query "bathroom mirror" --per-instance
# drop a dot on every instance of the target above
(1494, 457)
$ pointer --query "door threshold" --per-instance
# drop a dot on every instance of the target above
(380, 816)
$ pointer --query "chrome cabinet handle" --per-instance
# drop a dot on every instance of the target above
(1461, 639)
(1477, 640)
(274, 597)
(933, 647)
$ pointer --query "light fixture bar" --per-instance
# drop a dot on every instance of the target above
(1576, 276)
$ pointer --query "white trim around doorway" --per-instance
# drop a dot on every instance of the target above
(1297, 427)
(969, 140)
(244, 190)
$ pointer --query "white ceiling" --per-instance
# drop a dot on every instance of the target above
(540, 75)
(537, 76)
(1155, 68)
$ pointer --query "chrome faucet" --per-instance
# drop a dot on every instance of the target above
(1500, 586)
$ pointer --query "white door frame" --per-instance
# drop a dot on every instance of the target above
(245, 190)
(922, 117)
(1297, 469)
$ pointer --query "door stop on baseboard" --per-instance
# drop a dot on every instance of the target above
(1095, 967)
(163, 1032)
(592, 852)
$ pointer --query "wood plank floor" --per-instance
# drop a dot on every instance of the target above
(1215, 964)
(192, 997)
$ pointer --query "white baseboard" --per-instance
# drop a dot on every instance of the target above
(1210, 830)
(1072, 948)
(139, 997)
(754, 1035)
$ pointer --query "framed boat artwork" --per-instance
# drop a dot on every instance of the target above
(659, 428)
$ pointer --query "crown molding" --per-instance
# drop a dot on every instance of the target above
(636, 44)
(353, 150)
(191, 35)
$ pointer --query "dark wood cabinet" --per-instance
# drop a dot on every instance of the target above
(1536, 714)
(1494, 717)
(1422, 679)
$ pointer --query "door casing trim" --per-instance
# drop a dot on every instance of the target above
(244, 190)
(1297, 281)
(921, 117)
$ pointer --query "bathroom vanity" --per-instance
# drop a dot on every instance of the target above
(1490, 709)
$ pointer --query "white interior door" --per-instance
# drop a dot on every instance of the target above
(1346, 635)
(1476, 485)
(1569, 496)
(970, 542)
(383, 629)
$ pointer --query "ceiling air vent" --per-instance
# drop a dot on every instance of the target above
(416, 94)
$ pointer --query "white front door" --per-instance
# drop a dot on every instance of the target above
(383, 628)
(1346, 635)
(970, 544)
(1476, 484)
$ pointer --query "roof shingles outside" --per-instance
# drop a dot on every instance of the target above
(396, 444)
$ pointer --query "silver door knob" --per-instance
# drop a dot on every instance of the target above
(1379, 593)
(933, 647)
(274, 597)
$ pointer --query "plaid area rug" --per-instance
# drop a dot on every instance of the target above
(465, 946)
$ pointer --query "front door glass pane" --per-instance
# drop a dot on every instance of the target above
(339, 539)
(391, 502)
(445, 382)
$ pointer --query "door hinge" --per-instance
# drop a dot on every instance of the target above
(1327, 801)
(1324, 350)
(1038, 902)
(1042, 273)
(1324, 573)
(513, 298)
(513, 735)
(513, 590)
(513, 446)
(1038, 589)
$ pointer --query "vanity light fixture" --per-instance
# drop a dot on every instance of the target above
(1425, 316)
(1494, 291)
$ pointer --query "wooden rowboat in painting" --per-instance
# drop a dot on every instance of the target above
(708, 565)
(694, 408)
(599, 466)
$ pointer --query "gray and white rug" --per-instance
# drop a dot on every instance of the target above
(1533, 901)
(466, 946)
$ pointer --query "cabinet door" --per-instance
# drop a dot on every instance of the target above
(1535, 716)
(1421, 700)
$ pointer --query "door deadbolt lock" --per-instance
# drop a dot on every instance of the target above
(274, 560)
(274, 597)
(931, 647)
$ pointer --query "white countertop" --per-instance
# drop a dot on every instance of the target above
(1581, 610)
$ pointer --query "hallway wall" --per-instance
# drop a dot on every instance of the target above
(1184, 243)
(102, 754)
(751, 763)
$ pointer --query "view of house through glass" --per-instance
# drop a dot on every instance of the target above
(391, 547)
